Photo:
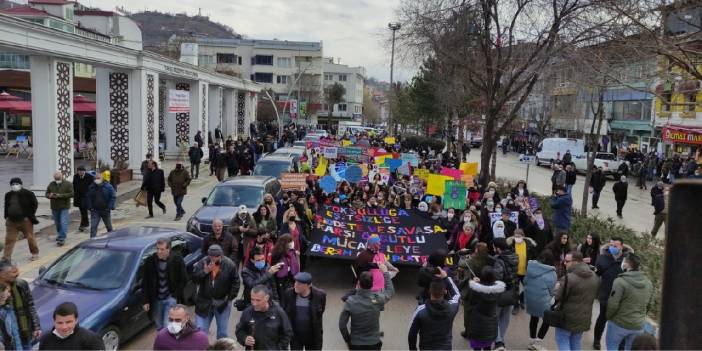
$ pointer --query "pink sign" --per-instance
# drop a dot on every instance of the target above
(456, 174)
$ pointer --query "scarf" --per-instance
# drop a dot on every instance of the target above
(22, 318)
(11, 327)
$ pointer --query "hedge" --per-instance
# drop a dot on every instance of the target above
(649, 249)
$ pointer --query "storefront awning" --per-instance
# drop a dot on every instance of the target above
(679, 134)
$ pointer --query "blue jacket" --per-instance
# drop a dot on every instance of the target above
(562, 206)
(9, 334)
(539, 287)
(106, 191)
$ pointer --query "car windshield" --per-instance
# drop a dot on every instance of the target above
(235, 195)
(272, 169)
(92, 268)
(605, 156)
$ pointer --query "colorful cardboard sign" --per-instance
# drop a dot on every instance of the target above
(392, 163)
(454, 195)
(469, 168)
(328, 184)
(293, 181)
(330, 152)
(321, 169)
(389, 140)
(453, 173)
(353, 174)
(422, 173)
(436, 184)
(411, 158)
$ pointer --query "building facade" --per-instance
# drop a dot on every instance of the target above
(352, 79)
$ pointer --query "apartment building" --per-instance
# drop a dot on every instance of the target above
(352, 79)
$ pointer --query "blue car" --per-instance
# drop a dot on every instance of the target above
(103, 277)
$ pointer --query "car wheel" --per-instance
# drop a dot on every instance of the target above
(536, 160)
(111, 338)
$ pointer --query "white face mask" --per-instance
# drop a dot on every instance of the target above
(98, 181)
(58, 181)
(449, 215)
(16, 187)
(291, 246)
(518, 240)
(623, 267)
(174, 327)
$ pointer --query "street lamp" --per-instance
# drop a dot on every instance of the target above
(393, 26)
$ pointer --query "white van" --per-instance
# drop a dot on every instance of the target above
(552, 149)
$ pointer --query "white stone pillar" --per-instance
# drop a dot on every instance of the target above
(114, 90)
(143, 115)
(229, 116)
(52, 118)
(214, 109)
(198, 110)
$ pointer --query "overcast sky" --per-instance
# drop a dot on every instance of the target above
(350, 29)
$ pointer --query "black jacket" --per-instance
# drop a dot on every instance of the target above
(218, 293)
(658, 203)
(483, 302)
(597, 182)
(252, 277)
(433, 322)
(81, 339)
(318, 303)
(27, 201)
(80, 188)
(154, 181)
(176, 276)
(620, 189)
(195, 154)
(272, 329)
(227, 241)
(608, 268)
(571, 177)
(28, 305)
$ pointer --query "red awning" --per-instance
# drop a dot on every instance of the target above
(81, 104)
(9, 102)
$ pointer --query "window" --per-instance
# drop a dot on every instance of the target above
(205, 59)
(666, 97)
(226, 58)
(69, 13)
(262, 60)
(636, 110)
(342, 107)
(691, 102)
(342, 77)
(263, 77)
(239, 60)
(284, 62)
(328, 76)
(282, 79)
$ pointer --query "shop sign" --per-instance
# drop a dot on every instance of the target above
(673, 135)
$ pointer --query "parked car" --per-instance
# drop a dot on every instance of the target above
(550, 150)
(476, 143)
(608, 161)
(319, 132)
(103, 277)
(275, 164)
(300, 143)
(225, 198)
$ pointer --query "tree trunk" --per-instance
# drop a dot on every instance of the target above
(493, 164)
(592, 149)
(461, 138)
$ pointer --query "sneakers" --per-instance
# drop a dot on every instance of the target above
(34, 257)
(60, 242)
(596, 345)
(536, 345)
(82, 229)
(500, 346)
(149, 216)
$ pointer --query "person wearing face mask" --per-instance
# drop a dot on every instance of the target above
(180, 333)
(628, 305)
(269, 202)
(258, 272)
(20, 216)
(608, 268)
(67, 334)
(520, 190)
(243, 227)
(101, 200)
(284, 253)
(178, 181)
(537, 228)
(452, 224)
(525, 248)
(59, 194)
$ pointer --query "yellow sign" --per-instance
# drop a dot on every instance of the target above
(469, 168)
(379, 160)
(421, 173)
(321, 169)
(390, 140)
(436, 184)
(468, 179)
(346, 142)
(364, 169)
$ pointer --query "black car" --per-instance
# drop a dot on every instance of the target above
(476, 143)
(224, 200)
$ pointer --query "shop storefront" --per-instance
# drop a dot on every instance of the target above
(684, 140)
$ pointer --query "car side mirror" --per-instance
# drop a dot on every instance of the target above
(204, 199)
(42, 270)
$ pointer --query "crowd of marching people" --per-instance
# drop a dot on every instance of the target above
(518, 261)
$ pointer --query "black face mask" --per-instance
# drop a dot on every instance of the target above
(179, 166)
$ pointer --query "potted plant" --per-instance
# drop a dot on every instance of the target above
(121, 172)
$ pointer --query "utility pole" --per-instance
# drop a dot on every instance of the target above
(393, 26)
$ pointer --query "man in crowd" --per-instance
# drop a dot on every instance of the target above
(243, 227)
(304, 305)
(608, 267)
(164, 280)
(629, 302)
(659, 210)
(145, 164)
(195, 155)
(101, 200)
(506, 265)
(67, 334)
(217, 278)
(180, 332)
(571, 177)
(229, 245)
(81, 184)
(178, 181)
(264, 325)
(22, 303)
(510, 226)
(433, 321)
(363, 309)
(597, 182)
(576, 297)
(258, 272)
(20, 216)
(620, 194)
(562, 205)
(154, 184)
(59, 193)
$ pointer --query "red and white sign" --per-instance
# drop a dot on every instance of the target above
(178, 101)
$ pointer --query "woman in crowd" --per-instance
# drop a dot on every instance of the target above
(284, 252)
(538, 228)
(264, 241)
(539, 288)
(270, 203)
(469, 267)
(525, 248)
(465, 240)
(590, 249)
(265, 220)
(9, 328)
(560, 246)
(520, 190)
(483, 317)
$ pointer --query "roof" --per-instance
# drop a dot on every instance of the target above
(25, 11)
(94, 13)
(132, 238)
(50, 2)
(264, 44)
(247, 180)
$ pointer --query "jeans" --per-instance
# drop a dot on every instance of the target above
(595, 198)
(615, 335)
(222, 319)
(504, 314)
(160, 311)
(61, 220)
(195, 169)
(179, 205)
(567, 340)
(95, 217)
(569, 188)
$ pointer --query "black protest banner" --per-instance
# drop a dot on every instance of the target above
(406, 237)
